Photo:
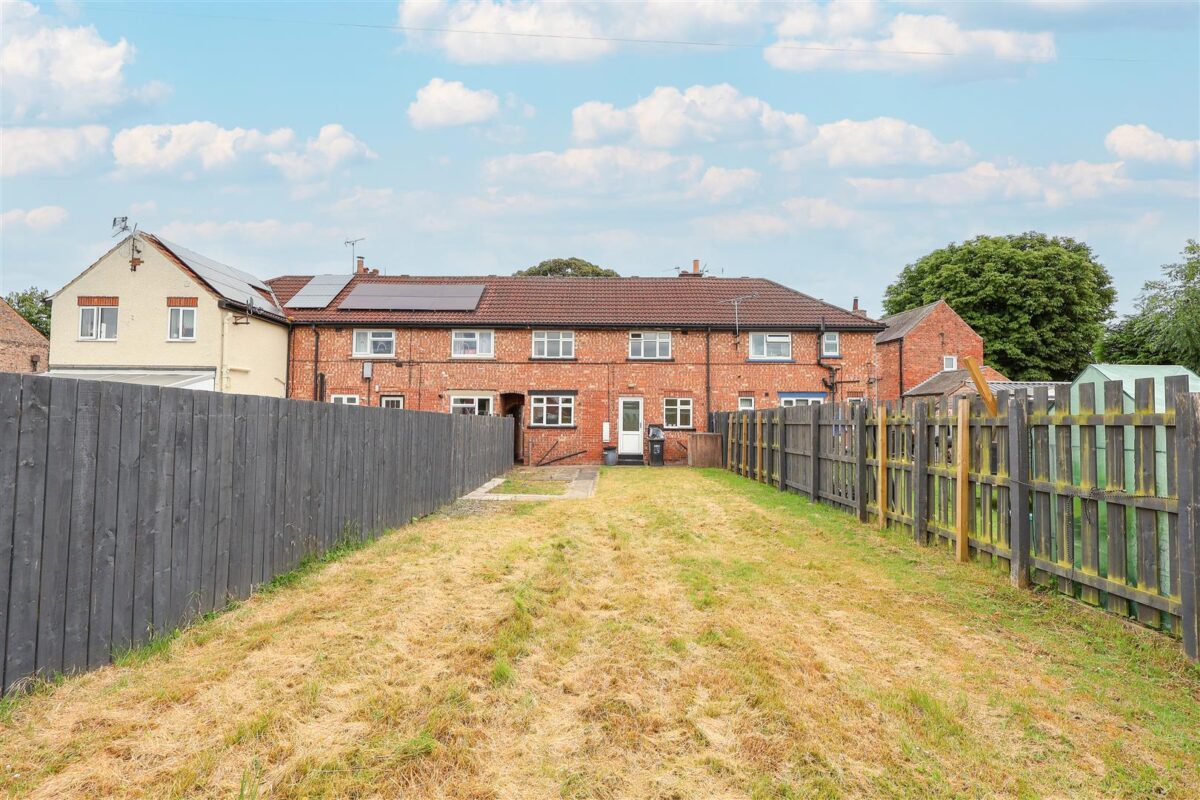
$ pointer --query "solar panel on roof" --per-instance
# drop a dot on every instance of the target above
(413, 297)
(319, 291)
(230, 282)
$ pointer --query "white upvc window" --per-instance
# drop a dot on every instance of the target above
(788, 402)
(554, 344)
(745, 404)
(770, 346)
(344, 399)
(650, 344)
(949, 363)
(472, 344)
(552, 410)
(677, 412)
(480, 404)
(374, 343)
(391, 401)
(98, 323)
(831, 344)
(181, 324)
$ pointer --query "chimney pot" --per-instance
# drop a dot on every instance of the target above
(695, 266)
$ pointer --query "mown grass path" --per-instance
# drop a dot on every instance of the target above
(681, 634)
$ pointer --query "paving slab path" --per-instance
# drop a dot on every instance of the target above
(679, 634)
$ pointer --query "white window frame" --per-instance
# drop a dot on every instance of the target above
(345, 399)
(788, 402)
(681, 404)
(474, 398)
(834, 338)
(476, 333)
(171, 337)
(766, 338)
(658, 337)
(97, 315)
(564, 338)
(386, 398)
(370, 333)
(564, 402)
(952, 361)
(745, 404)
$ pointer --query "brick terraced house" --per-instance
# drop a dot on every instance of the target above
(919, 343)
(580, 363)
(22, 346)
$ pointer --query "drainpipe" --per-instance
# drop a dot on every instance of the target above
(831, 381)
(287, 369)
(316, 362)
(223, 372)
(707, 375)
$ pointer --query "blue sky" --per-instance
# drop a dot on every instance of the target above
(834, 144)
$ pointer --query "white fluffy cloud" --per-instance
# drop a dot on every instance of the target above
(1141, 143)
(597, 169)
(562, 32)
(442, 104)
(55, 72)
(796, 213)
(162, 148)
(718, 184)
(874, 142)
(333, 148)
(26, 151)
(1054, 185)
(857, 35)
(670, 117)
(35, 219)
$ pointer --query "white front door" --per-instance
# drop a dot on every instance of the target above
(629, 438)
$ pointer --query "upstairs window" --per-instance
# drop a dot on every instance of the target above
(472, 344)
(392, 401)
(831, 344)
(677, 412)
(745, 404)
(770, 346)
(181, 324)
(471, 404)
(553, 344)
(650, 344)
(949, 363)
(98, 323)
(374, 344)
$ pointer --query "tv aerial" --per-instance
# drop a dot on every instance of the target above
(352, 243)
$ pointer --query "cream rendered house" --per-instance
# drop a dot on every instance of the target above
(153, 312)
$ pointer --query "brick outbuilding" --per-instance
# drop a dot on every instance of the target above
(918, 344)
(22, 347)
(581, 363)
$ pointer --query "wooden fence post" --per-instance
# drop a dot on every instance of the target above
(729, 440)
(1018, 492)
(860, 459)
(1187, 442)
(962, 494)
(920, 478)
(814, 486)
(881, 471)
(758, 460)
(783, 456)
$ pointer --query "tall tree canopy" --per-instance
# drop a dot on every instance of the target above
(1165, 328)
(34, 305)
(569, 268)
(1039, 302)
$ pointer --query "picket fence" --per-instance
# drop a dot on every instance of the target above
(1098, 503)
(126, 511)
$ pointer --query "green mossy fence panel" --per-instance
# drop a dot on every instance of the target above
(126, 511)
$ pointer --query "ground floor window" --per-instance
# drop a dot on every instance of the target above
(789, 399)
(552, 410)
(480, 404)
(345, 399)
(391, 401)
(745, 404)
(677, 412)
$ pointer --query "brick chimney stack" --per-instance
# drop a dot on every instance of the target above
(360, 267)
(695, 266)
(862, 312)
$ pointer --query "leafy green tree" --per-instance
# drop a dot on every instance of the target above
(1165, 328)
(1039, 302)
(568, 268)
(34, 305)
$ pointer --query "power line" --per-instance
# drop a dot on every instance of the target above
(629, 40)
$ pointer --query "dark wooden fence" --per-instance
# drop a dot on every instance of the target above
(1093, 500)
(127, 510)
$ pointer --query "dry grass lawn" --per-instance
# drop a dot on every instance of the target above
(681, 634)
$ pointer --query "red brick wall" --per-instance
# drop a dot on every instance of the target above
(887, 370)
(942, 332)
(18, 341)
(423, 372)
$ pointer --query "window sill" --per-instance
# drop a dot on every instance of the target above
(649, 360)
(181, 341)
(552, 358)
(473, 358)
(770, 361)
(682, 430)
(375, 357)
(839, 355)
(96, 340)
(552, 427)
